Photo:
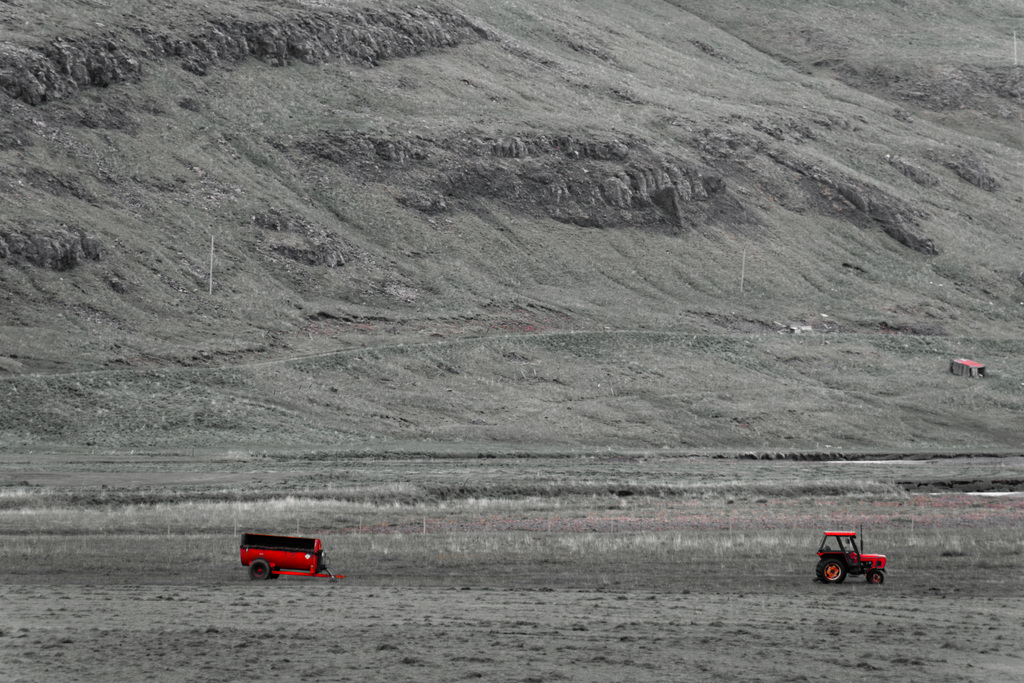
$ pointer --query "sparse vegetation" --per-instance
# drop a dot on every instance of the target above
(477, 321)
(495, 191)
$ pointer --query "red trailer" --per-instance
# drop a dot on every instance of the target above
(268, 557)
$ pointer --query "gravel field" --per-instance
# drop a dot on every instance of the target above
(698, 574)
(318, 630)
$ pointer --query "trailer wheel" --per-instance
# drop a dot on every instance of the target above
(274, 576)
(876, 577)
(259, 570)
(831, 571)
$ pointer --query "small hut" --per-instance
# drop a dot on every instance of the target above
(966, 368)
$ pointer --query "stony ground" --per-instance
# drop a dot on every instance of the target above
(317, 630)
(99, 584)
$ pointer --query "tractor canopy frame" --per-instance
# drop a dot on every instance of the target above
(839, 557)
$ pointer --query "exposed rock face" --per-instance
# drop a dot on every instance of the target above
(301, 240)
(586, 182)
(896, 218)
(427, 202)
(13, 134)
(59, 250)
(960, 86)
(972, 170)
(939, 87)
(594, 183)
(919, 175)
(365, 35)
(60, 69)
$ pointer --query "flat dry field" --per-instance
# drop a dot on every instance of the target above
(627, 569)
(317, 630)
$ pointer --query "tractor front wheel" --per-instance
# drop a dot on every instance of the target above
(259, 570)
(876, 577)
(831, 571)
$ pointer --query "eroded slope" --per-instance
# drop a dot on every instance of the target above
(368, 173)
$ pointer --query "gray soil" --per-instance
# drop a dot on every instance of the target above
(318, 630)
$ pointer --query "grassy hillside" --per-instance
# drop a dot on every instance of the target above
(547, 223)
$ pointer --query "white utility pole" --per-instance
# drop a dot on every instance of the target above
(743, 269)
(211, 265)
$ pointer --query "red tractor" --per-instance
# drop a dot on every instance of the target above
(840, 558)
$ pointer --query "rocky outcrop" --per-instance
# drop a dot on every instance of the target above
(59, 250)
(919, 175)
(595, 182)
(939, 87)
(427, 202)
(13, 134)
(60, 69)
(364, 35)
(523, 147)
(960, 86)
(299, 240)
(897, 219)
(971, 170)
(341, 147)
(345, 147)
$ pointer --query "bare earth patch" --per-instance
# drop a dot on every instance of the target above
(336, 631)
(557, 568)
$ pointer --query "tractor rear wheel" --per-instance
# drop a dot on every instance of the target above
(876, 577)
(831, 571)
(259, 570)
